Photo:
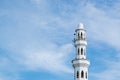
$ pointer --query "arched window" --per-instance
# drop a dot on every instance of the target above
(78, 51)
(81, 51)
(82, 74)
(77, 74)
(81, 35)
(78, 35)
(86, 75)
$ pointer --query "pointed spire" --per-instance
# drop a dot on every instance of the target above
(80, 26)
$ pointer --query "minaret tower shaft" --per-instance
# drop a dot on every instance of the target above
(80, 63)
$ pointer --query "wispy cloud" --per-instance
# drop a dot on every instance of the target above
(51, 59)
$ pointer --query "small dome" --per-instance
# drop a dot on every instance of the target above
(80, 26)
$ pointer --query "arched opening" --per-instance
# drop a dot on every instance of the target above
(81, 51)
(86, 75)
(78, 51)
(77, 74)
(78, 35)
(81, 35)
(82, 74)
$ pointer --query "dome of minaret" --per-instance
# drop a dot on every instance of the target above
(80, 26)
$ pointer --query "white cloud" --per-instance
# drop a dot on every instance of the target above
(50, 59)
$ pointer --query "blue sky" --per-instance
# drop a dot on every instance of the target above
(36, 38)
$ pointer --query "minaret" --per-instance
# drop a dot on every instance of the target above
(80, 63)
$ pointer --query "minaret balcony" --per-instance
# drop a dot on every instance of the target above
(80, 63)
(80, 42)
(79, 39)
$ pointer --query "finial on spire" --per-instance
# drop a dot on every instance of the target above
(80, 26)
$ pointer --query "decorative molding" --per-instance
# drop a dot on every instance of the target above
(80, 65)
(79, 29)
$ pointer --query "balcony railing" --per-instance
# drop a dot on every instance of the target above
(79, 38)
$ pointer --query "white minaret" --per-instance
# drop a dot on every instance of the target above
(80, 63)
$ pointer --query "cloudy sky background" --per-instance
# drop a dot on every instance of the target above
(36, 38)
